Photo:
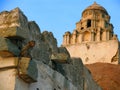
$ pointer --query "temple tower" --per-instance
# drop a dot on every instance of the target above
(93, 28)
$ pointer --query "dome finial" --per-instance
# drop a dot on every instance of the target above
(95, 2)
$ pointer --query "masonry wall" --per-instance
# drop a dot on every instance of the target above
(95, 51)
(7, 79)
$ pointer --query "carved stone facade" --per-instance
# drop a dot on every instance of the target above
(94, 27)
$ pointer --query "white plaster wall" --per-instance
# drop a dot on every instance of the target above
(21, 85)
(8, 62)
(7, 79)
(97, 52)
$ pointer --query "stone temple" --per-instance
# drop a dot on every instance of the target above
(93, 39)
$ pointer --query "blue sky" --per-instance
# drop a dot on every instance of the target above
(59, 16)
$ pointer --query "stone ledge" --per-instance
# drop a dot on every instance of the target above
(8, 62)
(27, 68)
(15, 32)
(59, 57)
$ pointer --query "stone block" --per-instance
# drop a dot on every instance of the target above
(59, 57)
(10, 62)
(27, 70)
(13, 32)
(13, 24)
(7, 45)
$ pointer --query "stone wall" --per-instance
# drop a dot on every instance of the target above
(7, 77)
(95, 51)
(69, 77)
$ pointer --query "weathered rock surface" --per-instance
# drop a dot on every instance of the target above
(27, 69)
(51, 75)
(49, 79)
(77, 74)
(7, 45)
(46, 45)
(13, 24)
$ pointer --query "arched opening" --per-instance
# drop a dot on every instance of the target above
(88, 23)
(82, 28)
(86, 36)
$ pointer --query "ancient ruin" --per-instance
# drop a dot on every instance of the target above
(93, 39)
(22, 68)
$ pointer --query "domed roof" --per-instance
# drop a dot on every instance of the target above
(96, 6)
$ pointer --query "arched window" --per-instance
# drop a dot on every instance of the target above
(86, 36)
(88, 23)
(82, 28)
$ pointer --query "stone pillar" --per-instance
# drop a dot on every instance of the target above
(67, 39)
(98, 36)
(104, 36)
(92, 23)
(92, 36)
(74, 39)
(107, 35)
(64, 40)
(79, 39)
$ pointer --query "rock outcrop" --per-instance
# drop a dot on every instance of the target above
(52, 75)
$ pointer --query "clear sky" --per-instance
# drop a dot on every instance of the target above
(59, 16)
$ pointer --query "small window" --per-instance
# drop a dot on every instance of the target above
(82, 28)
(88, 23)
